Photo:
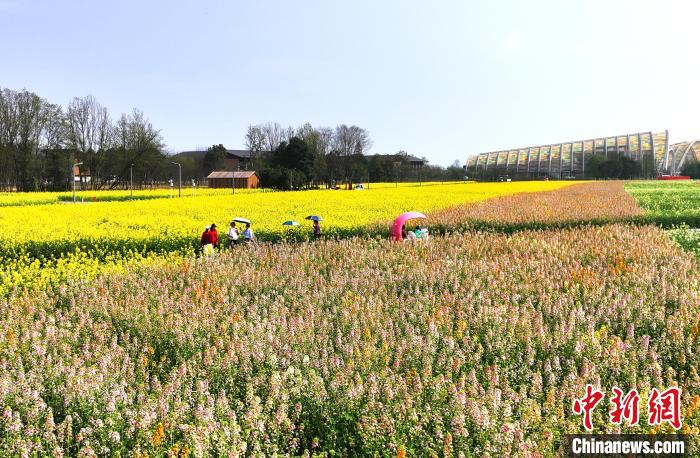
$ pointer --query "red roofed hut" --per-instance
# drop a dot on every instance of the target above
(223, 179)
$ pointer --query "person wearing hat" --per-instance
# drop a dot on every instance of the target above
(207, 247)
(214, 236)
(232, 234)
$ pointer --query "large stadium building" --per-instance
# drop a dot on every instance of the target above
(569, 159)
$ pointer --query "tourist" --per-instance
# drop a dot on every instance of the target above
(418, 232)
(424, 233)
(410, 236)
(206, 242)
(248, 235)
(317, 229)
(403, 232)
(206, 237)
(232, 234)
(214, 236)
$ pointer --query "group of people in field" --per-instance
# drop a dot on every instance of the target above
(419, 233)
(210, 237)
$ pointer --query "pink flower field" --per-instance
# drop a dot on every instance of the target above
(471, 344)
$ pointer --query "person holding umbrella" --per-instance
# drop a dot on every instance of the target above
(317, 225)
(232, 234)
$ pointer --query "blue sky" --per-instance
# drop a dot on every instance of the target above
(442, 79)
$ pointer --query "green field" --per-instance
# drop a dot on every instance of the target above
(668, 203)
(673, 205)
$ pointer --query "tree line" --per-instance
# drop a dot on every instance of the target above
(40, 141)
(308, 156)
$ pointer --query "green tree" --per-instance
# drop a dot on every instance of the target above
(593, 166)
(214, 158)
(692, 170)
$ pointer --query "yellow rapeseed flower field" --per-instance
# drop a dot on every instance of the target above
(83, 239)
(12, 199)
(108, 227)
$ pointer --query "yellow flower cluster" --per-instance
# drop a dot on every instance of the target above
(80, 240)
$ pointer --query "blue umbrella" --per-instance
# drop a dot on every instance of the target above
(314, 218)
(290, 223)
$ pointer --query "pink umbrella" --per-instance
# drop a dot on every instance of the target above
(399, 222)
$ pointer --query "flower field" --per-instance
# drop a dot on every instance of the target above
(18, 199)
(585, 203)
(45, 244)
(472, 345)
(475, 343)
(169, 224)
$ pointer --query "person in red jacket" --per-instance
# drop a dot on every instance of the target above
(206, 237)
(214, 236)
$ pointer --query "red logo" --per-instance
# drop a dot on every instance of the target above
(665, 406)
(662, 407)
(626, 408)
(587, 404)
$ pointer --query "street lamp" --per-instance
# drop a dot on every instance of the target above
(76, 164)
(179, 184)
(131, 179)
(396, 166)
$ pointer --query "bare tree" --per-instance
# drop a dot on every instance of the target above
(325, 139)
(274, 135)
(89, 131)
(88, 124)
(305, 131)
(255, 142)
(349, 141)
(54, 126)
(288, 133)
(8, 118)
(137, 144)
(29, 107)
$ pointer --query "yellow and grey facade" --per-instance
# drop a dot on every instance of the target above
(568, 159)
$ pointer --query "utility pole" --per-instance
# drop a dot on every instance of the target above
(76, 164)
(179, 183)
